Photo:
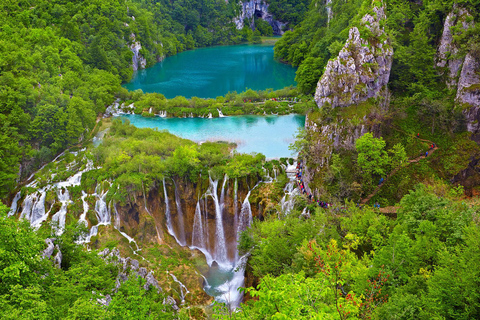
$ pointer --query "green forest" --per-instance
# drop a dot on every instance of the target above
(377, 217)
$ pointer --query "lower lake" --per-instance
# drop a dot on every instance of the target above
(214, 71)
(269, 135)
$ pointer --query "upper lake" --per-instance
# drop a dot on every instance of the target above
(214, 71)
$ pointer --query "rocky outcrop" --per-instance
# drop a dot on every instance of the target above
(448, 55)
(255, 9)
(130, 268)
(51, 248)
(462, 71)
(138, 61)
(468, 91)
(362, 68)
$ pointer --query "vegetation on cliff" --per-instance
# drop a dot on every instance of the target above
(356, 263)
(63, 62)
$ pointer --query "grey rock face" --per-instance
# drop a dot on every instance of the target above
(138, 62)
(362, 68)
(58, 257)
(258, 9)
(151, 281)
(448, 52)
(47, 253)
(469, 82)
(170, 301)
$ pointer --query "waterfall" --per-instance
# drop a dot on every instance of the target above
(288, 200)
(210, 116)
(183, 289)
(181, 224)
(34, 208)
(59, 217)
(198, 237)
(220, 114)
(162, 114)
(145, 200)
(245, 219)
(117, 227)
(102, 209)
(207, 232)
(220, 254)
(222, 195)
(13, 207)
(168, 214)
(150, 110)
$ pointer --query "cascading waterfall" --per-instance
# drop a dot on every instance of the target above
(220, 114)
(220, 254)
(59, 217)
(183, 289)
(181, 224)
(288, 200)
(246, 218)
(168, 215)
(198, 237)
(34, 208)
(13, 207)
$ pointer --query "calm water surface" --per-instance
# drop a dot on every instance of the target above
(214, 71)
(270, 135)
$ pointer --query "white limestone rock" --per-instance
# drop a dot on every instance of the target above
(448, 53)
(138, 61)
(258, 9)
(362, 68)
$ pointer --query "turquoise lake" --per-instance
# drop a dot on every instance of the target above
(270, 135)
(214, 71)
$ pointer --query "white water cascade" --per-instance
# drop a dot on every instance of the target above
(198, 237)
(288, 200)
(162, 114)
(220, 114)
(245, 219)
(181, 224)
(34, 208)
(183, 289)
(13, 207)
(59, 217)
(220, 254)
(168, 215)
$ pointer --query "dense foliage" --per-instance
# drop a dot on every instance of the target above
(137, 160)
(281, 102)
(358, 264)
(62, 63)
(31, 287)
(413, 27)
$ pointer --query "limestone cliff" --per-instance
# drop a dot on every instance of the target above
(362, 68)
(138, 61)
(255, 9)
(448, 55)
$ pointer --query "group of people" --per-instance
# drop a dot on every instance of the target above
(304, 191)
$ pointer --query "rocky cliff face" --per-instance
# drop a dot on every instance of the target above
(255, 9)
(469, 83)
(462, 71)
(178, 204)
(362, 68)
(448, 55)
(138, 62)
